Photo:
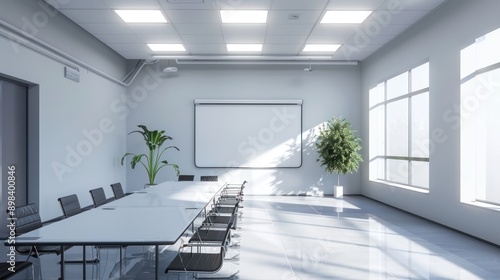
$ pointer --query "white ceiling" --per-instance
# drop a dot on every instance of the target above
(197, 25)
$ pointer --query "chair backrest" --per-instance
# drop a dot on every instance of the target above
(117, 190)
(98, 196)
(70, 205)
(186, 178)
(28, 218)
(209, 178)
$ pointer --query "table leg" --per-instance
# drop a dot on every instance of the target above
(62, 263)
(84, 261)
(156, 261)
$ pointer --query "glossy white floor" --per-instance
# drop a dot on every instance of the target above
(319, 238)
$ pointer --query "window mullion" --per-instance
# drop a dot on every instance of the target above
(410, 136)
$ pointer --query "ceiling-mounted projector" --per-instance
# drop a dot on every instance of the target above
(170, 69)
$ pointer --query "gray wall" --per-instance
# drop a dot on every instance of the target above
(439, 38)
(165, 101)
(81, 138)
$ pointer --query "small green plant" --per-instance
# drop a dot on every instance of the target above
(152, 161)
(338, 147)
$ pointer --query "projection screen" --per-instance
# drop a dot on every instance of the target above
(248, 133)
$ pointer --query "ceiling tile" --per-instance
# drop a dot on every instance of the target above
(243, 5)
(196, 24)
(287, 29)
(193, 29)
(152, 29)
(244, 29)
(281, 49)
(187, 5)
(332, 33)
(131, 4)
(285, 39)
(193, 16)
(207, 49)
(163, 38)
(353, 5)
(304, 17)
(299, 4)
(203, 39)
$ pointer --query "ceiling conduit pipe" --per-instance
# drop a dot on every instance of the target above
(14, 34)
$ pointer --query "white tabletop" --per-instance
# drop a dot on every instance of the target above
(156, 216)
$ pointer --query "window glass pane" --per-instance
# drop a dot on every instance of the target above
(377, 169)
(397, 86)
(397, 171)
(487, 49)
(377, 131)
(420, 77)
(420, 125)
(397, 128)
(467, 61)
(420, 174)
(377, 94)
(491, 105)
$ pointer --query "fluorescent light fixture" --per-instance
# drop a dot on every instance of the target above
(321, 47)
(243, 16)
(244, 47)
(345, 16)
(141, 16)
(167, 47)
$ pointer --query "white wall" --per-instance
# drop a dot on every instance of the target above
(439, 37)
(165, 101)
(73, 156)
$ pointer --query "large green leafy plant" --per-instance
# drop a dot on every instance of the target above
(152, 161)
(338, 147)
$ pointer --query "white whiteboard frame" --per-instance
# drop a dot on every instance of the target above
(247, 102)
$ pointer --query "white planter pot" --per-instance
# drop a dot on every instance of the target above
(338, 191)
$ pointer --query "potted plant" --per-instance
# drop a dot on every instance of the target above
(152, 161)
(338, 148)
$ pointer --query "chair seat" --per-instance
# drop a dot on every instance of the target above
(203, 235)
(196, 262)
(223, 210)
(217, 220)
(228, 201)
(6, 273)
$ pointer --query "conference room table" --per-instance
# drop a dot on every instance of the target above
(155, 216)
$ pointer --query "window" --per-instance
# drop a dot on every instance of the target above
(399, 129)
(480, 120)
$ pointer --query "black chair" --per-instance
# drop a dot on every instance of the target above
(6, 273)
(98, 197)
(216, 219)
(200, 261)
(28, 219)
(117, 190)
(209, 178)
(70, 205)
(186, 178)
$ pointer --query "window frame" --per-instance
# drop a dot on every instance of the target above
(409, 159)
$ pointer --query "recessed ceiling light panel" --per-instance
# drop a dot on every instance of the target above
(244, 47)
(141, 16)
(167, 47)
(243, 16)
(321, 47)
(345, 16)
